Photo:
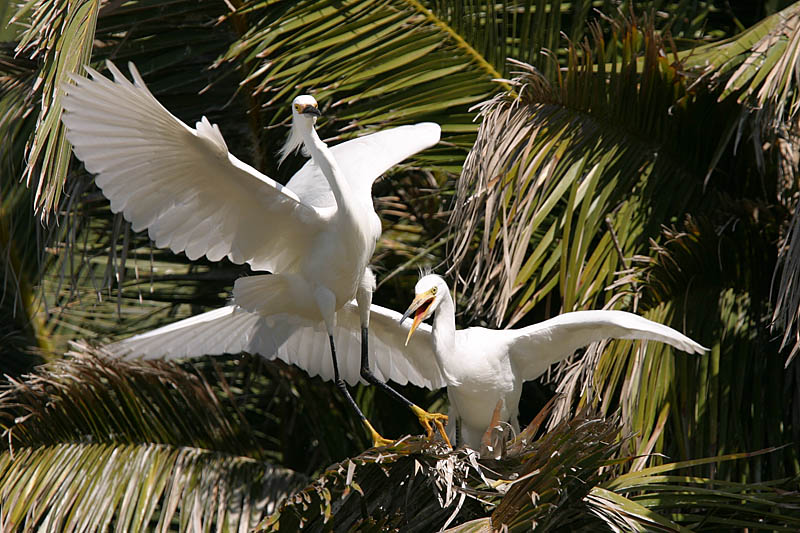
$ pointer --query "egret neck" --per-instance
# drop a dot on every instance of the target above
(323, 157)
(444, 337)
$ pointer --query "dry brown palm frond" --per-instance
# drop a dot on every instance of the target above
(554, 160)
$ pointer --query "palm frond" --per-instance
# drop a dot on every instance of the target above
(91, 441)
(60, 34)
(566, 479)
(726, 284)
(362, 492)
(377, 65)
(21, 329)
(91, 395)
(92, 486)
(698, 503)
(551, 165)
(786, 315)
(562, 203)
(759, 68)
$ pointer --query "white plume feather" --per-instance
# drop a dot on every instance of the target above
(293, 142)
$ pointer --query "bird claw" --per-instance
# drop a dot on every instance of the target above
(377, 440)
(438, 419)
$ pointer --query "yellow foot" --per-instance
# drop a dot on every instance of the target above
(377, 440)
(425, 419)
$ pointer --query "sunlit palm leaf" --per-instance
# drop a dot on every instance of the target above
(371, 65)
(61, 33)
(680, 498)
(551, 166)
(758, 67)
(136, 487)
(92, 441)
(60, 404)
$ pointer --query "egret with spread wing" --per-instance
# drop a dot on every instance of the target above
(480, 367)
(234, 330)
(485, 366)
(193, 196)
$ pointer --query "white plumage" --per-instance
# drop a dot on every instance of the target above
(316, 235)
(232, 330)
(480, 367)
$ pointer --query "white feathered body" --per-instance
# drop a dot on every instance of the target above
(343, 251)
(483, 368)
(480, 375)
(193, 196)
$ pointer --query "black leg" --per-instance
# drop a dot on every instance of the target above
(367, 374)
(425, 418)
(377, 440)
(340, 382)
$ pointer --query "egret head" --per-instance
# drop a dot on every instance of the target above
(305, 107)
(305, 112)
(429, 291)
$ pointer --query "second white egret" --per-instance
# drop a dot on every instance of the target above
(483, 367)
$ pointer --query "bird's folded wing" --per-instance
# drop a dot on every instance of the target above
(233, 330)
(534, 348)
(180, 183)
(363, 160)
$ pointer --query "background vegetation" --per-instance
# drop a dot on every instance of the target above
(640, 157)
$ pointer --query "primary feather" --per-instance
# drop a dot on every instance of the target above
(181, 183)
(233, 330)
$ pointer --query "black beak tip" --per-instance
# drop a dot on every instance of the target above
(311, 110)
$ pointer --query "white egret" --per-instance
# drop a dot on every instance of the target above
(480, 367)
(316, 235)
(483, 367)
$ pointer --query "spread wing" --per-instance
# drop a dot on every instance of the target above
(534, 348)
(181, 183)
(363, 160)
(233, 330)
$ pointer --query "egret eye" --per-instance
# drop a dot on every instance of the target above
(433, 290)
(297, 107)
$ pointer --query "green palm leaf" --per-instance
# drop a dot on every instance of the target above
(136, 487)
(564, 198)
(551, 166)
(63, 33)
(92, 442)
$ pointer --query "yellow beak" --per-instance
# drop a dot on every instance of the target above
(420, 305)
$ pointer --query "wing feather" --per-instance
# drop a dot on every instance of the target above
(534, 348)
(181, 183)
(233, 330)
(363, 160)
